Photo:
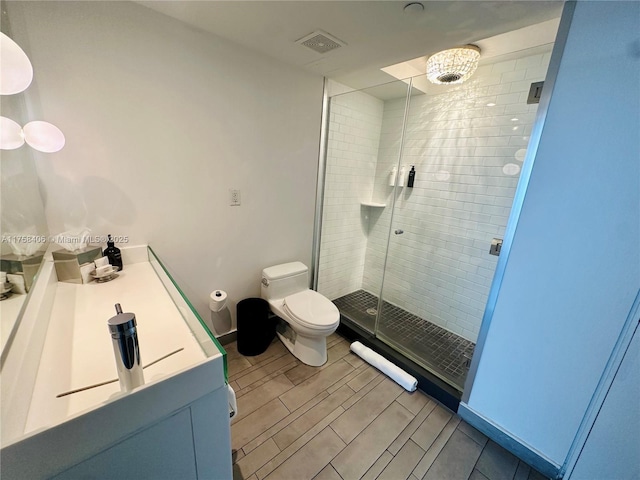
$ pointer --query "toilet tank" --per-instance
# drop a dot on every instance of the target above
(280, 281)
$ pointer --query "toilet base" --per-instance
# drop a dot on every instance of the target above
(309, 350)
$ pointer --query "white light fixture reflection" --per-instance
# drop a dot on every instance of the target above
(511, 169)
(44, 136)
(454, 65)
(16, 72)
(11, 136)
(442, 175)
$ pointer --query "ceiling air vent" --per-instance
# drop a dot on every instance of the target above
(320, 42)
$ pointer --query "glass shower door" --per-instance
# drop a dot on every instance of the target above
(363, 145)
(413, 310)
(424, 308)
(466, 144)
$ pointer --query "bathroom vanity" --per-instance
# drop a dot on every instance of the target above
(174, 426)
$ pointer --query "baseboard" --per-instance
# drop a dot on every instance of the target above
(228, 337)
(520, 449)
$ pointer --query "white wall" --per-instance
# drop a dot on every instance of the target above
(616, 431)
(161, 120)
(352, 151)
(574, 266)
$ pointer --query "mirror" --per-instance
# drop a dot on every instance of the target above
(23, 223)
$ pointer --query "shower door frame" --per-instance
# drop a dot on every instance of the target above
(394, 197)
(424, 368)
(428, 381)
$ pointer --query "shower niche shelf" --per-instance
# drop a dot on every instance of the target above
(373, 204)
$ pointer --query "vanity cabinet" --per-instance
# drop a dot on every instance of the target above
(174, 426)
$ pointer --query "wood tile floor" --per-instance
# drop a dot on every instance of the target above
(345, 420)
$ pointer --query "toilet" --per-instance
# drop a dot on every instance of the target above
(308, 317)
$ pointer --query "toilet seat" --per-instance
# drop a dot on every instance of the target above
(312, 310)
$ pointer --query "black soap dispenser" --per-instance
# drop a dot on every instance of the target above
(412, 176)
(113, 254)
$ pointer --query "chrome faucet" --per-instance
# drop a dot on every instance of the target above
(124, 336)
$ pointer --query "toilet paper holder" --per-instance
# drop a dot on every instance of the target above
(217, 300)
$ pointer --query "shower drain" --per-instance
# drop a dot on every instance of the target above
(372, 311)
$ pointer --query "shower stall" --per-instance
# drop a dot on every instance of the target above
(412, 266)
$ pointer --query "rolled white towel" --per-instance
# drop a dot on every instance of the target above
(394, 372)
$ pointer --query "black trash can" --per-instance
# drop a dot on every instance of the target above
(255, 329)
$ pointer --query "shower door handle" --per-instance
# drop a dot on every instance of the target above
(399, 232)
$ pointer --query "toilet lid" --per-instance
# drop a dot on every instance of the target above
(312, 309)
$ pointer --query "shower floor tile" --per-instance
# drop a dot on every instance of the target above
(441, 351)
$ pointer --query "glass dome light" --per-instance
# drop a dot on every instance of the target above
(454, 65)
(44, 136)
(11, 136)
(16, 71)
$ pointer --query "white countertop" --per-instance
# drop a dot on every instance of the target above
(78, 351)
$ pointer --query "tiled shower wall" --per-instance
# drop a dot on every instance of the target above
(467, 157)
(352, 152)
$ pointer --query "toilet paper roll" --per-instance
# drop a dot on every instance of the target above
(217, 300)
(394, 372)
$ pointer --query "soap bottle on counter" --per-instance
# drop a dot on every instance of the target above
(113, 254)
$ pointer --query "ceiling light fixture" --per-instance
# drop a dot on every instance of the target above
(16, 72)
(454, 65)
(44, 136)
(16, 75)
(11, 136)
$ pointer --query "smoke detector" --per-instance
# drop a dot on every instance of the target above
(320, 42)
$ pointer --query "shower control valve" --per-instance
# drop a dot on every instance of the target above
(496, 246)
